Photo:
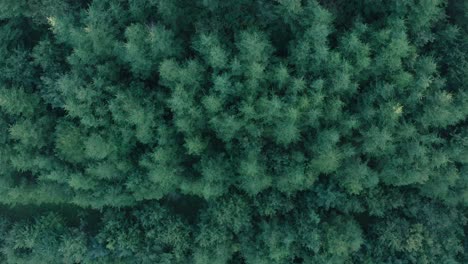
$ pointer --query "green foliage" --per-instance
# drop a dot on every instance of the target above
(209, 131)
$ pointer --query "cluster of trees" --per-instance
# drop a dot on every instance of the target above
(210, 131)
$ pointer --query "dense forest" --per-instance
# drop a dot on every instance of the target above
(234, 131)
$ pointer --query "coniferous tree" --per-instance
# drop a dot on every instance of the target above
(208, 131)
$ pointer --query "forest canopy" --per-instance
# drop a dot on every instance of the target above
(233, 131)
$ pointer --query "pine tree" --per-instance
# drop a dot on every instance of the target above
(208, 131)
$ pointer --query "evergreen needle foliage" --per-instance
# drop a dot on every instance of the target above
(233, 131)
